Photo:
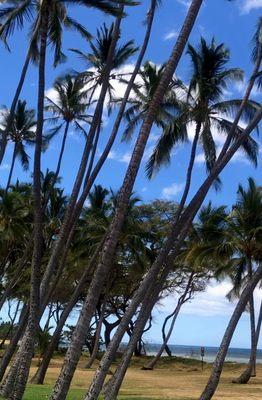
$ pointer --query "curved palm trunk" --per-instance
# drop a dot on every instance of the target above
(11, 169)
(112, 387)
(91, 177)
(251, 367)
(246, 96)
(61, 152)
(26, 348)
(97, 338)
(12, 348)
(108, 252)
(180, 303)
(220, 358)
(146, 284)
(41, 372)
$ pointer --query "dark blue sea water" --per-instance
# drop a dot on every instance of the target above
(234, 354)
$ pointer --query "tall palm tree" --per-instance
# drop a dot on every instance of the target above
(243, 245)
(95, 61)
(112, 237)
(205, 108)
(21, 133)
(69, 106)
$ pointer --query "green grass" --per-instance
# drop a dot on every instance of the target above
(35, 392)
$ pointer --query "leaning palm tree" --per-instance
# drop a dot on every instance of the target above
(109, 248)
(244, 240)
(205, 109)
(69, 106)
(21, 133)
(95, 61)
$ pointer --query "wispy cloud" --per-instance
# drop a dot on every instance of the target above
(4, 167)
(123, 158)
(185, 3)
(249, 5)
(170, 35)
(171, 191)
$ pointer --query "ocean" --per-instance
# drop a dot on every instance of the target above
(233, 355)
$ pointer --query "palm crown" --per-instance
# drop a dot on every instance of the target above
(148, 80)
(202, 105)
(96, 60)
(16, 12)
(22, 131)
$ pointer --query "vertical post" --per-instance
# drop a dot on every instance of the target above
(202, 357)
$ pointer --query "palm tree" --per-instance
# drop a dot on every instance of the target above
(205, 108)
(243, 247)
(111, 240)
(21, 133)
(95, 61)
(69, 106)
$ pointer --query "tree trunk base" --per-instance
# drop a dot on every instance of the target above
(243, 379)
(145, 368)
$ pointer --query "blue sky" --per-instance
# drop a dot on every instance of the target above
(229, 22)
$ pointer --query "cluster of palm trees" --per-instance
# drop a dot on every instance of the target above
(95, 251)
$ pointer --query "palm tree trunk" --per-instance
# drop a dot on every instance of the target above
(61, 152)
(91, 177)
(11, 169)
(112, 387)
(90, 180)
(146, 283)
(251, 367)
(111, 241)
(69, 218)
(26, 348)
(8, 354)
(220, 358)
(180, 302)
(41, 372)
(245, 99)
(97, 338)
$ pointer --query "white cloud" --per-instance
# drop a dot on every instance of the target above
(170, 35)
(4, 167)
(172, 190)
(124, 158)
(212, 302)
(240, 87)
(185, 3)
(249, 5)
(200, 158)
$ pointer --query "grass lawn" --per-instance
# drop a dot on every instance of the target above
(175, 379)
